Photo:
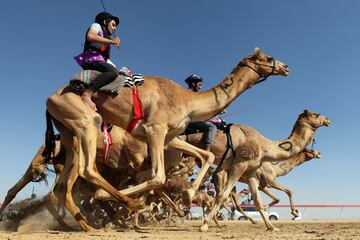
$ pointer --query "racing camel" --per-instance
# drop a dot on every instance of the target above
(252, 149)
(266, 176)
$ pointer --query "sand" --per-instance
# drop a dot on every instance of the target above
(37, 229)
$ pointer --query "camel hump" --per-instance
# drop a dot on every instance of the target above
(80, 81)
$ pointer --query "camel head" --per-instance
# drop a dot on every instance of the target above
(315, 120)
(265, 65)
(244, 192)
(309, 154)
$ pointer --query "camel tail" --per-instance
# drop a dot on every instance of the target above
(49, 137)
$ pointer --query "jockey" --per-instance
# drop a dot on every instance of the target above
(208, 129)
(96, 53)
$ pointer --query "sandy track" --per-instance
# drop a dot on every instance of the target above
(320, 230)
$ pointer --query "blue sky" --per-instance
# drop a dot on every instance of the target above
(317, 39)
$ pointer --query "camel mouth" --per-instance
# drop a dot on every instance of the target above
(285, 71)
(326, 123)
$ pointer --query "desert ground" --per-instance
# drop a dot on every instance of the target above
(38, 228)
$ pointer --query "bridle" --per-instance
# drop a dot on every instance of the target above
(262, 76)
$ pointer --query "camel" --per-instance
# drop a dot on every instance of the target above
(252, 149)
(266, 176)
(268, 173)
(167, 107)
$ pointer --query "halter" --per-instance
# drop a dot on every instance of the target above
(262, 76)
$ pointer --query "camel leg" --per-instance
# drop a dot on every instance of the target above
(206, 158)
(11, 194)
(38, 162)
(158, 168)
(83, 124)
(67, 178)
(254, 188)
(278, 186)
(221, 178)
(148, 209)
(176, 144)
(50, 203)
(136, 221)
(275, 199)
(88, 169)
(235, 173)
(235, 200)
(164, 197)
(156, 139)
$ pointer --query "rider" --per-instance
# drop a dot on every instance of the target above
(208, 129)
(96, 53)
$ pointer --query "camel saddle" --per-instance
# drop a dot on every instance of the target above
(80, 81)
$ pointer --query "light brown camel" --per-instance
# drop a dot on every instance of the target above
(252, 149)
(268, 173)
(266, 176)
(168, 108)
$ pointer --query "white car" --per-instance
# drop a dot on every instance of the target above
(251, 211)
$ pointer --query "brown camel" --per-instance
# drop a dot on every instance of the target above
(252, 149)
(266, 176)
(168, 108)
(268, 173)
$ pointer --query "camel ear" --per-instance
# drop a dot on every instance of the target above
(306, 111)
(257, 52)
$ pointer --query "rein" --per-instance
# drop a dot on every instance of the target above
(262, 76)
(313, 144)
(229, 145)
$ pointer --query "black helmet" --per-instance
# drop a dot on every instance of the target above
(100, 17)
(193, 79)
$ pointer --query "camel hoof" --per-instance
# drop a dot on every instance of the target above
(295, 213)
(254, 222)
(140, 230)
(274, 229)
(136, 205)
(89, 229)
(204, 228)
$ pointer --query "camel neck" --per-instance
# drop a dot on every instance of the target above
(204, 105)
(301, 136)
(285, 167)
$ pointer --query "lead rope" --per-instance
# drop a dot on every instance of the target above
(313, 144)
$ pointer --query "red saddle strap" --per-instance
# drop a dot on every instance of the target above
(108, 144)
(138, 110)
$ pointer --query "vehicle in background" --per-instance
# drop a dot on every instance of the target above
(251, 211)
